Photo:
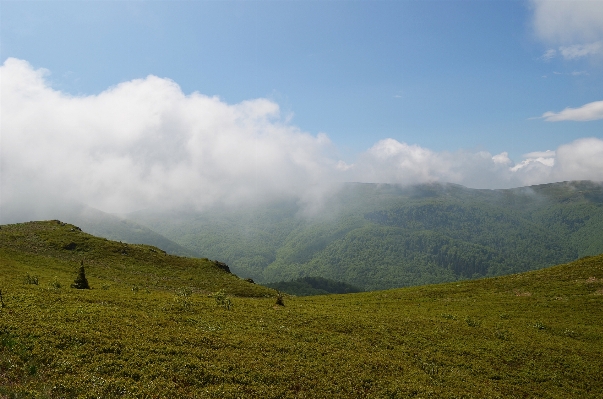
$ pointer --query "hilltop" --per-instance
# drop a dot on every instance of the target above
(149, 328)
(95, 222)
(54, 250)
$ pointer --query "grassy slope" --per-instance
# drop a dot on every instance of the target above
(54, 249)
(536, 334)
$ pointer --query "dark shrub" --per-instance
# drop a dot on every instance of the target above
(81, 283)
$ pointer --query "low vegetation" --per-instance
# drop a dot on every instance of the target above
(154, 325)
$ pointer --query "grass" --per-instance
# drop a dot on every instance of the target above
(158, 326)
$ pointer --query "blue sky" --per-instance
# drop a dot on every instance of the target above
(445, 76)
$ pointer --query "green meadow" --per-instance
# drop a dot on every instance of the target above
(155, 325)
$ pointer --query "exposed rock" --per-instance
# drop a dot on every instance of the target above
(222, 266)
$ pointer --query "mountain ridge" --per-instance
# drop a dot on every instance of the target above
(489, 232)
(377, 236)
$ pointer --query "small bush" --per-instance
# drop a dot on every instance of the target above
(502, 334)
(184, 292)
(280, 299)
(539, 326)
(570, 333)
(223, 300)
(183, 297)
(55, 283)
(81, 283)
(29, 279)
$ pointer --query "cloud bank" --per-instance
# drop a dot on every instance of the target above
(146, 144)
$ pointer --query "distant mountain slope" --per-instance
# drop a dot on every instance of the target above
(112, 227)
(97, 223)
(383, 236)
(56, 249)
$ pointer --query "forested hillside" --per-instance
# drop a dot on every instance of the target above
(307, 286)
(383, 236)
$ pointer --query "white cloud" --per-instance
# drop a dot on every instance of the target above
(549, 54)
(580, 160)
(569, 21)
(581, 50)
(546, 158)
(144, 143)
(588, 112)
(502, 158)
(575, 27)
(390, 161)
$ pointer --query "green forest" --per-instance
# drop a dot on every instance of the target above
(306, 286)
(382, 236)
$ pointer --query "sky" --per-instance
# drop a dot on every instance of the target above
(128, 105)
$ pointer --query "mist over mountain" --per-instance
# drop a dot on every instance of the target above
(383, 236)
(373, 236)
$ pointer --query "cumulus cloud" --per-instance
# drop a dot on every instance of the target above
(502, 158)
(146, 144)
(546, 158)
(390, 161)
(588, 112)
